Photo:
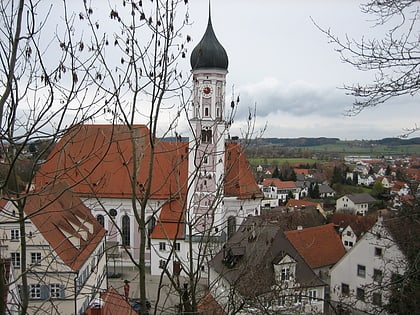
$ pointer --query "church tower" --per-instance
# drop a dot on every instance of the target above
(209, 64)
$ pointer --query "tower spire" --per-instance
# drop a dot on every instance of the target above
(209, 53)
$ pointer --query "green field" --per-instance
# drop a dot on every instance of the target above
(281, 161)
(374, 150)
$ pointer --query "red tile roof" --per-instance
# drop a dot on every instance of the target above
(278, 183)
(240, 181)
(170, 224)
(320, 246)
(112, 304)
(61, 217)
(209, 306)
(98, 160)
(303, 171)
(299, 203)
(359, 224)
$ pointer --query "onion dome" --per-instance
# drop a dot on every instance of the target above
(209, 53)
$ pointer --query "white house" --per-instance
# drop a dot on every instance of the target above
(352, 227)
(361, 279)
(65, 251)
(354, 203)
(275, 188)
(365, 179)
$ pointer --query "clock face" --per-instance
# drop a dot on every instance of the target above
(207, 90)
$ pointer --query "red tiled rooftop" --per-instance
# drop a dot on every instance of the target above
(209, 306)
(55, 211)
(240, 181)
(278, 183)
(170, 224)
(97, 160)
(359, 224)
(320, 246)
(299, 203)
(112, 304)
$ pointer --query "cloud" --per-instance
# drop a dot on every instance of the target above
(298, 98)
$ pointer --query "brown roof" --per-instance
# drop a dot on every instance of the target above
(278, 183)
(299, 203)
(320, 246)
(209, 306)
(97, 160)
(170, 224)
(359, 224)
(262, 244)
(303, 171)
(291, 220)
(61, 217)
(361, 198)
(240, 181)
(112, 303)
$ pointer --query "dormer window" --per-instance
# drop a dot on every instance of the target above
(14, 235)
(285, 273)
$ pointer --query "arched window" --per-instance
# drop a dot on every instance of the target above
(206, 136)
(125, 229)
(231, 226)
(150, 227)
(100, 218)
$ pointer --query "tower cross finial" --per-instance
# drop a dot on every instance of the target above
(209, 12)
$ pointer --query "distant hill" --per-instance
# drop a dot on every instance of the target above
(310, 142)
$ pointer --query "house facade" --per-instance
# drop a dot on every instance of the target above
(320, 247)
(258, 270)
(352, 227)
(361, 280)
(65, 251)
(354, 203)
(275, 188)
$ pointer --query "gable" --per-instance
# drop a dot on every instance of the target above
(320, 246)
(254, 273)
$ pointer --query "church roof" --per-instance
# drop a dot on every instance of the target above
(209, 53)
(96, 161)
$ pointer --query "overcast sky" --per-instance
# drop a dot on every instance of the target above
(280, 62)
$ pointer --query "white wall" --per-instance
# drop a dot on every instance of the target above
(364, 254)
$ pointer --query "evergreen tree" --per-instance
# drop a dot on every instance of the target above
(276, 173)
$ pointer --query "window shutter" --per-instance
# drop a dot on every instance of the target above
(45, 292)
(62, 291)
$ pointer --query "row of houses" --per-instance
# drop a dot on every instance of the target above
(346, 265)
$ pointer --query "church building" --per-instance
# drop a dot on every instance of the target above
(201, 189)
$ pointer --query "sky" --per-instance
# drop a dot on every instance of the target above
(281, 64)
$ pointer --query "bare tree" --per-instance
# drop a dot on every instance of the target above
(394, 59)
(138, 58)
(43, 92)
